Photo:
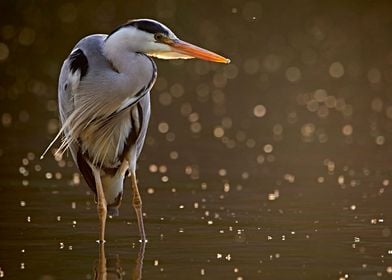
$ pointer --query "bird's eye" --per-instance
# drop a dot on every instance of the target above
(158, 36)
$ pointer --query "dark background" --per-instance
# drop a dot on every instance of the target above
(303, 113)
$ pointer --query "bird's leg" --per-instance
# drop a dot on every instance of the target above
(124, 167)
(101, 206)
(137, 205)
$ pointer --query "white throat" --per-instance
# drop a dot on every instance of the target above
(119, 45)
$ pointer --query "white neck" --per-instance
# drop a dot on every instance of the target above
(116, 48)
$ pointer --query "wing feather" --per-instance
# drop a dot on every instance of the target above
(94, 124)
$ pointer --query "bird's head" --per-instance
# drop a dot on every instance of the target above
(155, 39)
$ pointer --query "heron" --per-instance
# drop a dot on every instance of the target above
(104, 105)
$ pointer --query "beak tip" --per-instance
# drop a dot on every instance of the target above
(192, 51)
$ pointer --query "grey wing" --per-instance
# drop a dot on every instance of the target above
(65, 100)
(72, 71)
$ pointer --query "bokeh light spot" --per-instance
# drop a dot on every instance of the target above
(347, 130)
(259, 111)
(163, 127)
(336, 70)
(293, 74)
(165, 99)
(219, 132)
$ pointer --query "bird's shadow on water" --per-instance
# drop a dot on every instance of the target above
(110, 267)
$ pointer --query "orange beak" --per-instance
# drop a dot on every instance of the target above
(195, 51)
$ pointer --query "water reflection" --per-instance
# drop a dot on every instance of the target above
(110, 267)
(137, 273)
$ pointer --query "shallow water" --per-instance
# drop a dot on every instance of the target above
(275, 166)
(309, 230)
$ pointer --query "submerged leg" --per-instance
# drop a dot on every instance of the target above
(101, 206)
(137, 205)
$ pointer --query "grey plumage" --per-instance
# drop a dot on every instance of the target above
(99, 126)
(104, 103)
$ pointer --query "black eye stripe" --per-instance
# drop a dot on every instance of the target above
(149, 26)
(145, 25)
